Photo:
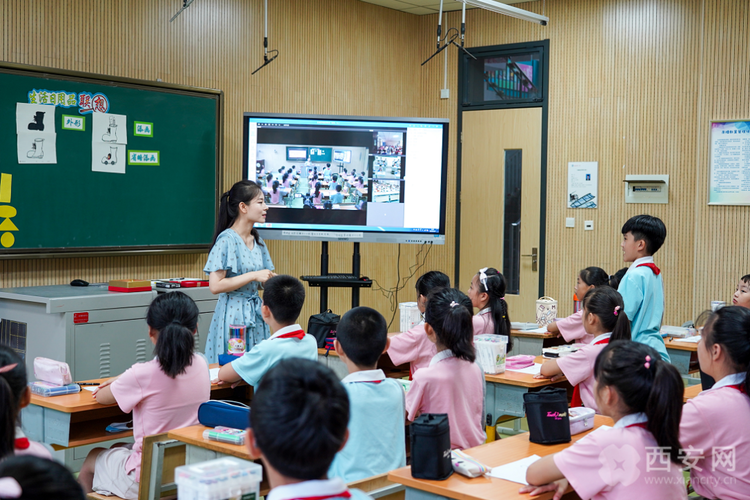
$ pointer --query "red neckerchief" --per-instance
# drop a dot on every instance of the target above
(343, 494)
(739, 387)
(642, 425)
(297, 334)
(575, 400)
(651, 266)
(22, 443)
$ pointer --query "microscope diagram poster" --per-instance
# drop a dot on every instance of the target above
(35, 132)
(109, 141)
(583, 184)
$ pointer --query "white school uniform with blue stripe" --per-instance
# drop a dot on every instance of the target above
(376, 427)
(261, 358)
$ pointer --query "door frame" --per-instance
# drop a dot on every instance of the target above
(464, 108)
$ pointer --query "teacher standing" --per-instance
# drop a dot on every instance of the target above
(237, 265)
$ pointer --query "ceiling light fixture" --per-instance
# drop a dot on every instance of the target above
(507, 10)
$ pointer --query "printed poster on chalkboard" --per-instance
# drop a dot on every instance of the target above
(36, 140)
(108, 143)
(729, 181)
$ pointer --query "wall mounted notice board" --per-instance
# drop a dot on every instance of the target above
(94, 164)
(729, 182)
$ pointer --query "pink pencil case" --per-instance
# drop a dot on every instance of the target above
(54, 372)
(519, 361)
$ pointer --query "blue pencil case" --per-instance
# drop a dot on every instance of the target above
(46, 389)
(216, 413)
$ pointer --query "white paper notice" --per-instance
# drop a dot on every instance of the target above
(514, 471)
(89, 387)
(213, 373)
(583, 184)
(109, 129)
(694, 339)
(35, 118)
(110, 158)
(730, 163)
(37, 147)
(534, 369)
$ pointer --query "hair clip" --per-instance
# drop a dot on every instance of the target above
(483, 277)
(647, 364)
(454, 303)
(9, 488)
(8, 368)
(617, 308)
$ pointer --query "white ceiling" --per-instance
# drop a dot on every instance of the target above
(423, 7)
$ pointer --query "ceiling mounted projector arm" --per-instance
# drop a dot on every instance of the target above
(185, 5)
(266, 60)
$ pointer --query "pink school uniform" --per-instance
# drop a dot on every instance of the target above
(614, 464)
(412, 347)
(578, 368)
(571, 328)
(483, 322)
(714, 424)
(160, 403)
(453, 386)
(275, 197)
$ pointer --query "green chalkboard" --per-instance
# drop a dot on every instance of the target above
(157, 192)
(318, 154)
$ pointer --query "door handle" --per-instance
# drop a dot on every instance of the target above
(534, 258)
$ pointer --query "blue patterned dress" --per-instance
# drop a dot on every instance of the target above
(241, 306)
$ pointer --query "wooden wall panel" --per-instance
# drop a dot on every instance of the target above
(337, 57)
(633, 84)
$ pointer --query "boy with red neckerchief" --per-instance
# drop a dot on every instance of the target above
(298, 424)
(283, 297)
(642, 287)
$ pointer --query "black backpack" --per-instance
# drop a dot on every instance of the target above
(323, 326)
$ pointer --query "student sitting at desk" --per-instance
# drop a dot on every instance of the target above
(337, 197)
(741, 295)
(413, 346)
(35, 478)
(605, 320)
(714, 423)
(571, 328)
(14, 396)
(487, 293)
(298, 423)
(317, 194)
(376, 442)
(275, 193)
(163, 394)
(453, 383)
(334, 182)
(283, 297)
(643, 395)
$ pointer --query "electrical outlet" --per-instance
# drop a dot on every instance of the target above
(445, 93)
(588, 225)
(570, 222)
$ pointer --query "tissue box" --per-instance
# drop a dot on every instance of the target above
(219, 479)
(581, 419)
(409, 315)
(491, 350)
(129, 286)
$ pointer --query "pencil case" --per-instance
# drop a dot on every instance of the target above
(217, 413)
(46, 389)
(519, 361)
(54, 372)
(225, 435)
(466, 465)
(581, 419)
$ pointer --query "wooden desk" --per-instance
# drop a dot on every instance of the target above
(483, 488)
(531, 343)
(682, 355)
(332, 361)
(504, 396)
(691, 392)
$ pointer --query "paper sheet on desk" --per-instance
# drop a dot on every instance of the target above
(213, 373)
(530, 370)
(91, 388)
(694, 339)
(514, 471)
(537, 330)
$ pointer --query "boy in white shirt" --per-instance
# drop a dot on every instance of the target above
(283, 297)
(298, 423)
(376, 404)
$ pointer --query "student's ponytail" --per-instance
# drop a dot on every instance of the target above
(13, 383)
(229, 207)
(175, 316)
(647, 384)
(275, 186)
(606, 303)
(730, 328)
(494, 286)
(449, 313)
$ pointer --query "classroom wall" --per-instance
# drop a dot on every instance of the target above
(332, 61)
(633, 85)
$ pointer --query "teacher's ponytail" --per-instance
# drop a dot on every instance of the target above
(229, 203)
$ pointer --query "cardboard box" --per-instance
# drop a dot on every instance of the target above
(129, 286)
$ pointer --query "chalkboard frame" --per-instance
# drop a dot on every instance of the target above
(123, 82)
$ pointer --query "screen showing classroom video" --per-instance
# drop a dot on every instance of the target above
(347, 174)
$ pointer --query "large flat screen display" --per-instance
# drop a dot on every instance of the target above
(349, 178)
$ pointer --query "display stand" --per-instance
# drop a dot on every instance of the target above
(326, 281)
